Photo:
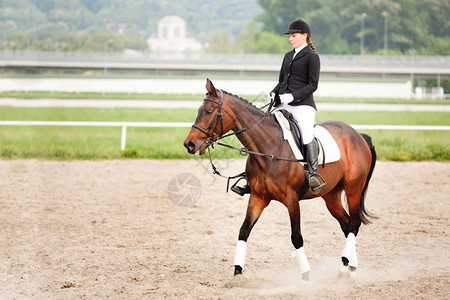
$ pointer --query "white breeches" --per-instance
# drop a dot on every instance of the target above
(305, 116)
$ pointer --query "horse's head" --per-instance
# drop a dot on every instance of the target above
(210, 123)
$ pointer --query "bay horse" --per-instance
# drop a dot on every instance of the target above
(280, 179)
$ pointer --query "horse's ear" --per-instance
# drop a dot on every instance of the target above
(210, 87)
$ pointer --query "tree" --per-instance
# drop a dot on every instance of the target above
(221, 42)
(268, 42)
(279, 13)
(336, 25)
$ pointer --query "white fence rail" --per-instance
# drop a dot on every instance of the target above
(242, 62)
(125, 125)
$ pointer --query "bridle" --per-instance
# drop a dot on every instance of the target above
(218, 119)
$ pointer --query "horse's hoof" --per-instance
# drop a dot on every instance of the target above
(352, 273)
(237, 281)
(344, 272)
(305, 276)
(237, 270)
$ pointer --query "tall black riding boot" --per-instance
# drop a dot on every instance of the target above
(312, 153)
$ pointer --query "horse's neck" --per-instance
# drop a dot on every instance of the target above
(261, 133)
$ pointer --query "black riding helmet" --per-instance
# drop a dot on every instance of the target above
(299, 26)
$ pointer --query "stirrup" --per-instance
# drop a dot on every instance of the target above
(316, 190)
(240, 190)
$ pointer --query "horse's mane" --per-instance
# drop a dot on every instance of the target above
(255, 109)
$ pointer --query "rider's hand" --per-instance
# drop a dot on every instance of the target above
(286, 98)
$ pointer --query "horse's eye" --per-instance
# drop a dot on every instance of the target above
(209, 111)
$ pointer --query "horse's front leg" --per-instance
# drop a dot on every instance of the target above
(256, 205)
(293, 207)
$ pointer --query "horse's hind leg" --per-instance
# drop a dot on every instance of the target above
(349, 256)
(333, 202)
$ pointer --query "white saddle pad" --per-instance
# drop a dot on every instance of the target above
(327, 142)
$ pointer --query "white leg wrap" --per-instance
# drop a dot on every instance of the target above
(302, 260)
(239, 256)
(353, 262)
(349, 251)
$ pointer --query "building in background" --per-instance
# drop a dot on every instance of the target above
(171, 38)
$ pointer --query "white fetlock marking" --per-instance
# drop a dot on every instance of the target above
(241, 251)
(302, 260)
(350, 243)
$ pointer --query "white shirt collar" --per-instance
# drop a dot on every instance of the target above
(297, 50)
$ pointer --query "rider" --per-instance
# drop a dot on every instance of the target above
(298, 80)
(299, 77)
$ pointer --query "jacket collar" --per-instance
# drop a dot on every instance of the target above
(302, 52)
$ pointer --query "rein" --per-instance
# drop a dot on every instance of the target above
(242, 151)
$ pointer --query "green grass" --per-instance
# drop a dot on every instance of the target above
(98, 114)
(166, 143)
(386, 118)
(411, 145)
(146, 96)
(110, 96)
(91, 143)
(189, 115)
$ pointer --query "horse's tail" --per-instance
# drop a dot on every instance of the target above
(363, 214)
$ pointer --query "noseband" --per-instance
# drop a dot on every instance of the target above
(215, 124)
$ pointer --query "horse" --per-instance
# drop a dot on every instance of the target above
(282, 179)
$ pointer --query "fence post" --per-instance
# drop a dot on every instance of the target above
(123, 139)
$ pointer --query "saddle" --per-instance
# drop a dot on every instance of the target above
(328, 149)
(295, 130)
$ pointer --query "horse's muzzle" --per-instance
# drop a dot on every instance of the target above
(190, 146)
(194, 148)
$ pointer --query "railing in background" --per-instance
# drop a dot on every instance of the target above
(241, 62)
(125, 125)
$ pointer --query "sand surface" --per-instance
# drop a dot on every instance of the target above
(110, 229)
